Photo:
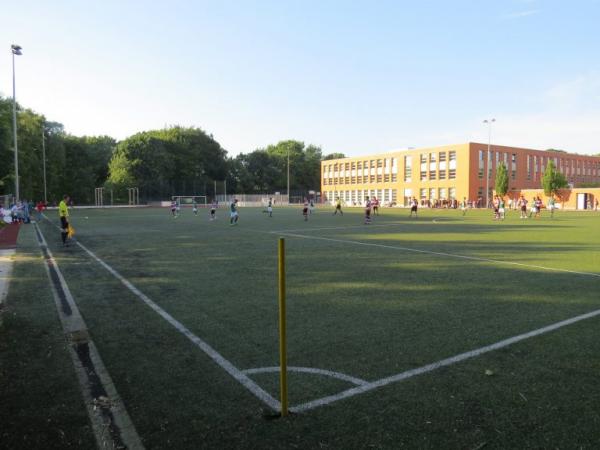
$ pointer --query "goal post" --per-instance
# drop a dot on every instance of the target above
(188, 200)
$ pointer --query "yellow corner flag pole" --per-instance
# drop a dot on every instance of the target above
(282, 329)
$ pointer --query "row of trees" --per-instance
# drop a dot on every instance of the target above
(161, 163)
(552, 179)
(73, 164)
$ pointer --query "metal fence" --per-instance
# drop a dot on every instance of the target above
(253, 199)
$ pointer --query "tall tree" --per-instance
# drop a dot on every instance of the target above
(333, 156)
(172, 161)
(501, 180)
(552, 180)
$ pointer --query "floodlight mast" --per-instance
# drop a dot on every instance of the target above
(487, 168)
(16, 50)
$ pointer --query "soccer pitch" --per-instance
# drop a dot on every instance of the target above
(442, 331)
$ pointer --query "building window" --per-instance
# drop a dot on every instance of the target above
(432, 193)
(481, 163)
(386, 177)
(452, 192)
(423, 193)
(432, 157)
(379, 178)
(394, 178)
(452, 160)
(442, 194)
(372, 178)
(408, 169)
(423, 175)
(452, 174)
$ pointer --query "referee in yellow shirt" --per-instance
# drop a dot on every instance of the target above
(63, 213)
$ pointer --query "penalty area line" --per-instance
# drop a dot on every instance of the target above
(219, 359)
(450, 255)
(225, 364)
(439, 364)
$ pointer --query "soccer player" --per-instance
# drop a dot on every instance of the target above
(305, 210)
(338, 207)
(496, 206)
(501, 210)
(270, 207)
(63, 214)
(538, 207)
(234, 213)
(414, 205)
(551, 206)
(213, 210)
(195, 207)
(311, 206)
(375, 204)
(463, 206)
(174, 208)
(368, 212)
(523, 203)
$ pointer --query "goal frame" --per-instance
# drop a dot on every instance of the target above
(188, 200)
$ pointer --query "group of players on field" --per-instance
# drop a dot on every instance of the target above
(371, 208)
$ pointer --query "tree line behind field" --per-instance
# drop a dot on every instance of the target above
(161, 163)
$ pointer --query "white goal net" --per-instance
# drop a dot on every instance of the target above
(188, 201)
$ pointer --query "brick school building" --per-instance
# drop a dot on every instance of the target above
(440, 175)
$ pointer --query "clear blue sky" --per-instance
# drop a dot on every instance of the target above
(354, 77)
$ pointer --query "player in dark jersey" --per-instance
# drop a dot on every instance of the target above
(414, 205)
(213, 210)
(338, 207)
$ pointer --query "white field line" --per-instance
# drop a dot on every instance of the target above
(236, 373)
(438, 364)
(429, 252)
(311, 370)
(74, 323)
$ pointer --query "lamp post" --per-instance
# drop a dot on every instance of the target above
(288, 174)
(16, 50)
(487, 168)
(44, 164)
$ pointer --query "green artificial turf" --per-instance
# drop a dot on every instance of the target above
(41, 406)
(368, 311)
